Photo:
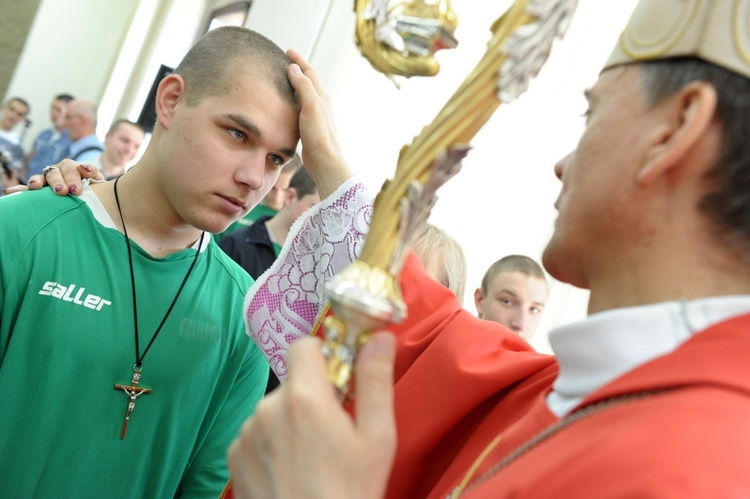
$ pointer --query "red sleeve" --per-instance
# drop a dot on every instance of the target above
(451, 370)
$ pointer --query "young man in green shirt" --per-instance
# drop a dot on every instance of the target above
(124, 366)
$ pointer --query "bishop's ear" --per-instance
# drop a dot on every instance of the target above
(170, 92)
(684, 119)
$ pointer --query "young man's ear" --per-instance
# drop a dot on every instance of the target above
(686, 117)
(478, 301)
(290, 195)
(171, 90)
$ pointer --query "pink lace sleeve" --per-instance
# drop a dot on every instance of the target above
(284, 302)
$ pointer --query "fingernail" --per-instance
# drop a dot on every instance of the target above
(87, 168)
(58, 188)
(383, 344)
(73, 189)
(33, 180)
(295, 68)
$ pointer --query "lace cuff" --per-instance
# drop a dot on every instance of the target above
(285, 301)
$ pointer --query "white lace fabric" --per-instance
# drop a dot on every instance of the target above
(285, 301)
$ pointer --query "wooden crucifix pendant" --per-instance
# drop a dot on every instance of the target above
(132, 391)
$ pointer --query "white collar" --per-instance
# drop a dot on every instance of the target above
(603, 347)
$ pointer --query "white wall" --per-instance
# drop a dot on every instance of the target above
(71, 47)
(500, 203)
(502, 200)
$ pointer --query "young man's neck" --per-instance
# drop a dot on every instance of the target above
(149, 219)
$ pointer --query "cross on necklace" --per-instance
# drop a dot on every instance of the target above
(132, 391)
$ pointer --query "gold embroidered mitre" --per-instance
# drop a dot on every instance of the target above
(717, 31)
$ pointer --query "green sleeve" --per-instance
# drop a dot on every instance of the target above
(207, 474)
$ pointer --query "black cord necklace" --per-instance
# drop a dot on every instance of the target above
(133, 390)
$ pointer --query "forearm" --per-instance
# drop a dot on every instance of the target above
(329, 177)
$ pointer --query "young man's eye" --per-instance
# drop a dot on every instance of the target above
(277, 160)
(237, 134)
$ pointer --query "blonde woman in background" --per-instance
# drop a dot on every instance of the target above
(443, 258)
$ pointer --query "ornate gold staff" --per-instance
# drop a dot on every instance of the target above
(366, 295)
(400, 37)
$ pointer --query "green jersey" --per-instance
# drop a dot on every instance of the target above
(67, 338)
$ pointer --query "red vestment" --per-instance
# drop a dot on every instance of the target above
(462, 381)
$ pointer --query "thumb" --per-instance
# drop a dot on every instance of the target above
(301, 83)
(374, 386)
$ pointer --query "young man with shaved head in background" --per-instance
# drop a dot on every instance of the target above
(513, 293)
